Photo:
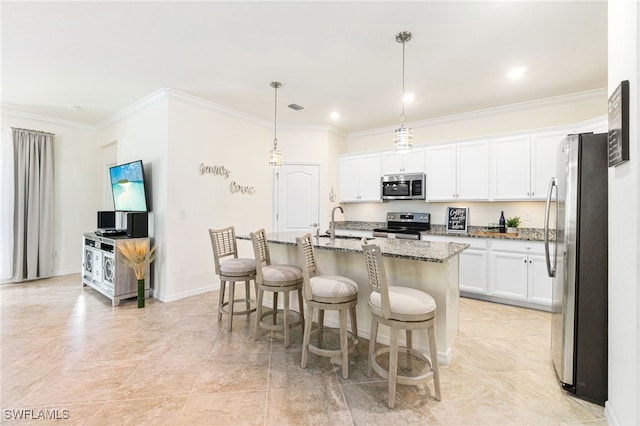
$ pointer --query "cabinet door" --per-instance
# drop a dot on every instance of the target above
(369, 178)
(392, 163)
(97, 266)
(509, 278)
(441, 173)
(410, 162)
(511, 163)
(540, 284)
(473, 271)
(473, 171)
(413, 162)
(349, 179)
(544, 147)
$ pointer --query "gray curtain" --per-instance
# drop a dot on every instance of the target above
(33, 205)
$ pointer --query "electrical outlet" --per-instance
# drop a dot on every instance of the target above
(527, 216)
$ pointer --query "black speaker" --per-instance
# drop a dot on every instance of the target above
(137, 224)
(106, 220)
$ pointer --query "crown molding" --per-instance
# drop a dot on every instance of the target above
(12, 112)
(555, 100)
(132, 109)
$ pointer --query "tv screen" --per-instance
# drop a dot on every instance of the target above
(128, 188)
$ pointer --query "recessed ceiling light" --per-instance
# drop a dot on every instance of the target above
(334, 115)
(515, 73)
(409, 97)
(73, 107)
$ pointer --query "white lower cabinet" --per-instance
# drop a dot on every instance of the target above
(511, 272)
(472, 273)
(518, 272)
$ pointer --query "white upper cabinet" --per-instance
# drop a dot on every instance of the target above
(544, 152)
(360, 178)
(511, 165)
(441, 172)
(473, 170)
(523, 165)
(458, 171)
(410, 162)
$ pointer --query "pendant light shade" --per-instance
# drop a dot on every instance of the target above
(275, 156)
(403, 136)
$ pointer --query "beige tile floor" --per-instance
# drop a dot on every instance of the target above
(67, 352)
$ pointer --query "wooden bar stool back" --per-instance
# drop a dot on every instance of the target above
(399, 308)
(327, 292)
(231, 270)
(276, 279)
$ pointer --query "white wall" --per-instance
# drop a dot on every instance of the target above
(76, 175)
(623, 406)
(177, 133)
(142, 134)
(559, 111)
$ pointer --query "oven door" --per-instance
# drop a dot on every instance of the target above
(396, 190)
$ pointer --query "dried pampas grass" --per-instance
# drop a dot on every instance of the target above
(137, 256)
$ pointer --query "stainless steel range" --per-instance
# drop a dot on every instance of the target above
(404, 225)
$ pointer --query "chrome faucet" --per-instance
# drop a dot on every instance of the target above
(332, 225)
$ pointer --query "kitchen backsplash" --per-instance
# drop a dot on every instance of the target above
(481, 214)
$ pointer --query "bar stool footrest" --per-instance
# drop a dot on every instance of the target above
(265, 325)
(400, 379)
(351, 345)
(222, 309)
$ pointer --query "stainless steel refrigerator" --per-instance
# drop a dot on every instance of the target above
(576, 252)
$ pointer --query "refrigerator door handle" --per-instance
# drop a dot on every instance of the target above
(551, 271)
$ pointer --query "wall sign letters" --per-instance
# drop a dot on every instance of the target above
(234, 187)
(214, 170)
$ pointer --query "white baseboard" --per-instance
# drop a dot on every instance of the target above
(610, 415)
(185, 294)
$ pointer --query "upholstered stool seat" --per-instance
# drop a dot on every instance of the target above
(399, 308)
(238, 267)
(231, 269)
(327, 292)
(276, 279)
(407, 304)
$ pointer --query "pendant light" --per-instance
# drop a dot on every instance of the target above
(275, 156)
(403, 136)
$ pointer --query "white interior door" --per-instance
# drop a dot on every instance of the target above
(296, 197)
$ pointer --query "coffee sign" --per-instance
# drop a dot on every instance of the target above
(457, 219)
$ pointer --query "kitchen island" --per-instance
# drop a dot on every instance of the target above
(428, 266)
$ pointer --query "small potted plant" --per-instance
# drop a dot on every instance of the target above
(137, 255)
(512, 223)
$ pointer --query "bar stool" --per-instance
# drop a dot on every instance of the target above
(399, 308)
(276, 279)
(231, 271)
(327, 292)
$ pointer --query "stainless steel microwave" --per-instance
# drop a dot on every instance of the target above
(409, 186)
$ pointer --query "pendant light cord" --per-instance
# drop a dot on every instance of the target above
(275, 119)
(403, 116)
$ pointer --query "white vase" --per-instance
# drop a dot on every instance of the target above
(511, 230)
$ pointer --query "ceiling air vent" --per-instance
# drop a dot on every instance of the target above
(296, 107)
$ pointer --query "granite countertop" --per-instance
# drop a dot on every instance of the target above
(426, 251)
(521, 234)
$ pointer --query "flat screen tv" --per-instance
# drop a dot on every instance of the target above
(128, 187)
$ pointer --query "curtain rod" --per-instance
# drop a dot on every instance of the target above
(36, 131)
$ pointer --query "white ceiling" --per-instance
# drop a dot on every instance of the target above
(104, 56)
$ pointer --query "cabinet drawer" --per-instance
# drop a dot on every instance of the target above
(525, 247)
